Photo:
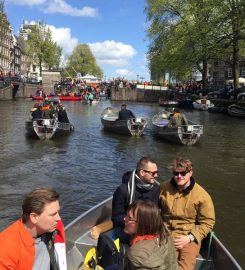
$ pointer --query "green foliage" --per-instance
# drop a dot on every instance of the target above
(188, 34)
(82, 61)
(41, 49)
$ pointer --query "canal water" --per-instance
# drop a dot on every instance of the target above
(86, 166)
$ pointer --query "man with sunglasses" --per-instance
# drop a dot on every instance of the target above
(188, 210)
(137, 184)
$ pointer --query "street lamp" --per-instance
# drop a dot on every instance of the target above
(138, 78)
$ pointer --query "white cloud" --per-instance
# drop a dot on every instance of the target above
(28, 2)
(112, 53)
(60, 6)
(122, 72)
(64, 39)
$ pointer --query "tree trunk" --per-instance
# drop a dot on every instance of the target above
(235, 62)
(40, 67)
(205, 73)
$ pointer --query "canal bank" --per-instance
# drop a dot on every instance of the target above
(145, 94)
(17, 90)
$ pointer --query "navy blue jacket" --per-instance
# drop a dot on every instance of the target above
(120, 199)
(125, 114)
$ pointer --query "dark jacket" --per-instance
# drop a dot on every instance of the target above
(38, 114)
(120, 201)
(125, 114)
(62, 116)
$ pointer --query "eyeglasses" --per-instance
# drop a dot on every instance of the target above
(128, 218)
(181, 173)
(151, 173)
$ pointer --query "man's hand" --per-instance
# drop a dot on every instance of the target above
(181, 241)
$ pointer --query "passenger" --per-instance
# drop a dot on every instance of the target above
(52, 111)
(151, 246)
(37, 113)
(177, 119)
(138, 184)
(124, 113)
(37, 240)
(90, 98)
(62, 115)
(188, 210)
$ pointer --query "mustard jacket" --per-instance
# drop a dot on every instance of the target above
(190, 211)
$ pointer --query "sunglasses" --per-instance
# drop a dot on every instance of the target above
(151, 173)
(181, 173)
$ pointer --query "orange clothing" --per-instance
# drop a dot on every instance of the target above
(17, 249)
(45, 108)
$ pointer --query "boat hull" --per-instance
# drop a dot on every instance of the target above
(185, 134)
(168, 103)
(46, 129)
(237, 111)
(213, 254)
(202, 104)
(64, 98)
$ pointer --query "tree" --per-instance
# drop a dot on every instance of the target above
(231, 22)
(188, 34)
(82, 60)
(41, 49)
(53, 55)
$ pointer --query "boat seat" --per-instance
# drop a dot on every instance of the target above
(111, 118)
(161, 123)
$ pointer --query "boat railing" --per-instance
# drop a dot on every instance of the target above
(191, 128)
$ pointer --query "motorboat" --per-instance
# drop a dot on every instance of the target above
(167, 103)
(61, 97)
(132, 126)
(184, 134)
(46, 129)
(202, 104)
(236, 110)
(80, 239)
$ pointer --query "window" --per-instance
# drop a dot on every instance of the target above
(243, 72)
(229, 72)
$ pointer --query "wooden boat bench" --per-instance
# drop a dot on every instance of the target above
(161, 123)
(111, 118)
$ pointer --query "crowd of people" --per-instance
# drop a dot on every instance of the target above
(161, 226)
(47, 110)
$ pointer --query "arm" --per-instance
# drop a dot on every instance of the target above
(185, 121)
(119, 206)
(205, 217)
(132, 114)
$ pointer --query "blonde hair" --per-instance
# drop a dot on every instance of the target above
(181, 163)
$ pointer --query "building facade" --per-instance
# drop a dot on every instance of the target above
(6, 42)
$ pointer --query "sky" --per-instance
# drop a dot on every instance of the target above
(115, 30)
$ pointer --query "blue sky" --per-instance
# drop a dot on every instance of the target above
(114, 29)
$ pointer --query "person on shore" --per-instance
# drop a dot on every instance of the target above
(137, 184)
(37, 240)
(151, 246)
(188, 210)
(124, 113)
(177, 119)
